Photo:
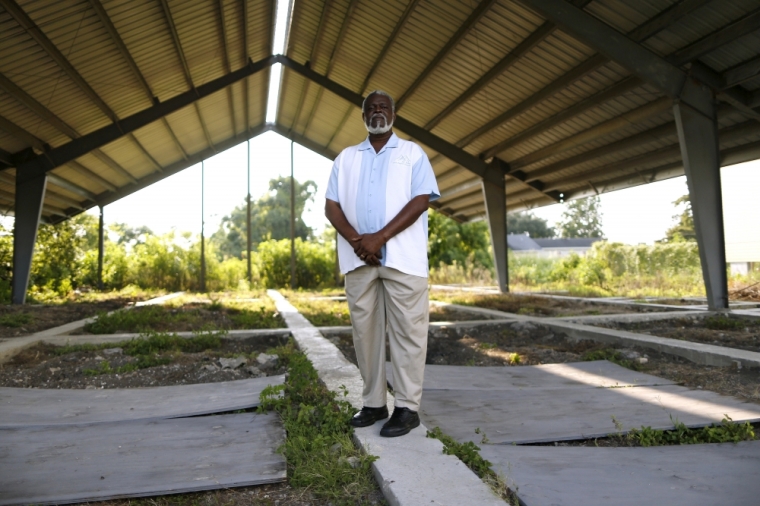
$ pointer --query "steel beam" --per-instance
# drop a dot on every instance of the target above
(639, 60)
(226, 59)
(466, 160)
(698, 137)
(743, 72)
(304, 141)
(73, 188)
(29, 197)
(93, 140)
(22, 135)
(495, 198)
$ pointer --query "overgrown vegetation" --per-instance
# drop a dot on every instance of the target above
(233, 315)
(322, 312)
(721, 322)
(320, 454)
(16, 320)
(726, 432)
(468, 453)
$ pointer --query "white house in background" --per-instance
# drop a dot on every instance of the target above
(741, 216)
(523, 244)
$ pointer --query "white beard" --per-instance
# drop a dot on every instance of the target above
(381, 128)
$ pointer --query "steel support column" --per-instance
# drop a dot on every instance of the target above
(248, 218)
(495, 198)
(203, 227)
(698, 137)
(100, 249)
(292, 221)
(30, 194)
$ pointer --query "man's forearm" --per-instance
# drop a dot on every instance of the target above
(337, 218)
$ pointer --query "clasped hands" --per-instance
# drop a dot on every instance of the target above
(367, 247)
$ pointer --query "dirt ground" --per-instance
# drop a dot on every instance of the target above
(720, 331)
(531, 305)
(41, 367)
(31, 318)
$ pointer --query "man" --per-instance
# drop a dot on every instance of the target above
(377, 200)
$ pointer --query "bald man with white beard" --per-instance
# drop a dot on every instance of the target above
(377, 200)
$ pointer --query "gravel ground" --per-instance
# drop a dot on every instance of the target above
(721, 331)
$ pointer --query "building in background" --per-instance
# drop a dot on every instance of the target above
(523, 244)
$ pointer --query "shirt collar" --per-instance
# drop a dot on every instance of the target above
(392, 143)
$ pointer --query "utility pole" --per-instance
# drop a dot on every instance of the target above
(292, 222)
(203, 225)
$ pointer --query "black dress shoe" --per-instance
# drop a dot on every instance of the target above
(368, 416)
(402, 421)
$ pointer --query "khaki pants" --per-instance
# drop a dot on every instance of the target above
(380, 298)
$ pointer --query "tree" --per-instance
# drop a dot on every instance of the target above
(582, 218)
(683, 230)
(449, 241)
(270, 218)
(520, 223)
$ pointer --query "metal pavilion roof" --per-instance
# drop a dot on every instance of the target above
(108, 96)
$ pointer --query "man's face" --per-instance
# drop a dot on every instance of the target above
(378, 114)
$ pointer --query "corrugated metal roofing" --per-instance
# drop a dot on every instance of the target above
(492, 77)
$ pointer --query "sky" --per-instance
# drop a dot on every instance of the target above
(636, 215)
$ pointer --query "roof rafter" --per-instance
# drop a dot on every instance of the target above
(471, 163)
(116, 38)
(741, 73)
(333, 58)
(94, 140)
(453, 42)
(43, 112)
(312, 59)
(226, 59)
(186, 70)
(380, 58)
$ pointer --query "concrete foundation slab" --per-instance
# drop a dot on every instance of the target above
(533, 415)
(689, 475)
(599, 373)
(81, 463)
(25, 407)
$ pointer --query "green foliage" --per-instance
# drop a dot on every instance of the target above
(16, 320)
(319, 435)
(726, 432)
(134, 320)
(582, 218)
(270, 218)
(721, 322)
(315, 263)
(683, 230)
(450, 242)
(527, 222)
(613, 356)
(321, 312)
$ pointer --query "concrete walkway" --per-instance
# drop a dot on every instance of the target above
(411, 470)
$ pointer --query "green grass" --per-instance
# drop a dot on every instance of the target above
(721, 322)
(318, 446)
(726, 432)
(16, 320)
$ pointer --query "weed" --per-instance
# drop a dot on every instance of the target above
(468, 453)
(613, 356)
(514, 359)
(726, 432)
(721, 322)
(319, 435)
(487, 346)
(16, 320)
